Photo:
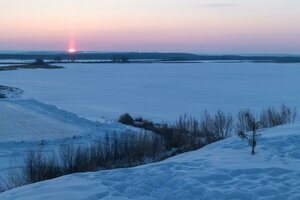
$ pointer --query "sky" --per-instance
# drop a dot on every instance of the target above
(203, 26)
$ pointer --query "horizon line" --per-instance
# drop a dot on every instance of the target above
(162, 52)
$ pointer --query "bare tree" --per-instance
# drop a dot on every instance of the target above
(247, 122)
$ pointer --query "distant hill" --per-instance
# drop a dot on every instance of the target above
(81, 56)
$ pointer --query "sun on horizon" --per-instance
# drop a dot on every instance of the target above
(72, 50)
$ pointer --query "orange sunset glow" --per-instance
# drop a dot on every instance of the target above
(149, 99)
(191, 25)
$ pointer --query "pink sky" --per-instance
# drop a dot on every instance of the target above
(158, 25)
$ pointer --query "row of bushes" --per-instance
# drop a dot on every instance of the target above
(125, 149)
(269, 117)
(188, 133)
(157, 142)
(115, 150)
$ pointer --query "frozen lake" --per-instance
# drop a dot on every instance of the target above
(159, 91)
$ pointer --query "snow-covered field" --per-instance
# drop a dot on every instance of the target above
(159, 91)
(223, 170)
(81, 102)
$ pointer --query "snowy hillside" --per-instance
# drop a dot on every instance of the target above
(223, 170)
(19, 123)
(27, 124)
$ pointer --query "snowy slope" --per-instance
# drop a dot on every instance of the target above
(21, 124)
(27, 124)
(223, 170)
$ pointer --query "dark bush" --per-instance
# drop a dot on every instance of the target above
(145, 124)
(126, 119)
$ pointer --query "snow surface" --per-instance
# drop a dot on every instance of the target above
(159, 91)
(223, 170)
(28, 124)
(77, 103)
(19, 123)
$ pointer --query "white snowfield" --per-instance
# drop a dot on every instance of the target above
(224, 170)
(79, 102)
(159, 91)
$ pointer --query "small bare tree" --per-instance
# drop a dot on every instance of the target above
(247, 122)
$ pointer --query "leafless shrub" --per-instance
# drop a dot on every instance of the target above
(223, 124)
(40, 165)
(242, 124)
(15, 178)
(217, 127)
(189, 133)
(271, 116)
(114, 151)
